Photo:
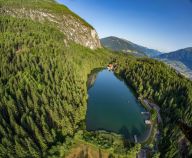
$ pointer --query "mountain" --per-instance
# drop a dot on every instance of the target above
(181, 60)
(44, 63)
(74, 27)
(183, 55)
(46, 55)
(118, 44)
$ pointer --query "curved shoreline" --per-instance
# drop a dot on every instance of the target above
(140, 137)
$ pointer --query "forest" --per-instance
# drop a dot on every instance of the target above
(162, 85)
(42, 88)
(43, 91)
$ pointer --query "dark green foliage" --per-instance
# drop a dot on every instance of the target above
(157, 82)
(43, 89)
(153, 115)
(187, 130)
(43, 93)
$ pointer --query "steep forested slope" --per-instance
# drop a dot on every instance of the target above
(43, 74)
(42, 87)
(157, 82)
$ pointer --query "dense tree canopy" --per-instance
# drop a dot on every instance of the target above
(42, 87)
(43, 93)
(172, 92)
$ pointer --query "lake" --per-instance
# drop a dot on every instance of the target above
(113, 107)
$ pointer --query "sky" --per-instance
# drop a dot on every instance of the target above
(165, 25)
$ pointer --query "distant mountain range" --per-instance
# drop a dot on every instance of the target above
(182, 55)
(181, 60)
(122, 45)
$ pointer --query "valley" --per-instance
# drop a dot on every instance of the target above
(180, 60)
(54, 104)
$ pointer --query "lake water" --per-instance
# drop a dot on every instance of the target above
(112, 106)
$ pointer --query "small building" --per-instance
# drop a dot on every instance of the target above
(147, 122)
(110, 67)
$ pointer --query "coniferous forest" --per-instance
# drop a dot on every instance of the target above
(159, 83)
(43, 87)
(43, 92)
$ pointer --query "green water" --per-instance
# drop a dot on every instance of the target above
(112, 106)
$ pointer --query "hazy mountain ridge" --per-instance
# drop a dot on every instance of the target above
(182, 55)
(181, 60)
(118, 44)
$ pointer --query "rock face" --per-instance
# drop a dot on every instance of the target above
(74, 28)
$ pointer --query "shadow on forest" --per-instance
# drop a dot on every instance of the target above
(127, 134)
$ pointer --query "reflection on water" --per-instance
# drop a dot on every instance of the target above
(112, 106)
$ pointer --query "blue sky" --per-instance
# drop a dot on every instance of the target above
(165, 25)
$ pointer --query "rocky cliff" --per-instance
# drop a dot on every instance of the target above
(74, 28)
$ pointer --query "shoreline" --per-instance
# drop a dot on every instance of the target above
(149, 128)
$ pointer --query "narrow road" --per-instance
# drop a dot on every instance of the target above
(153, 106)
